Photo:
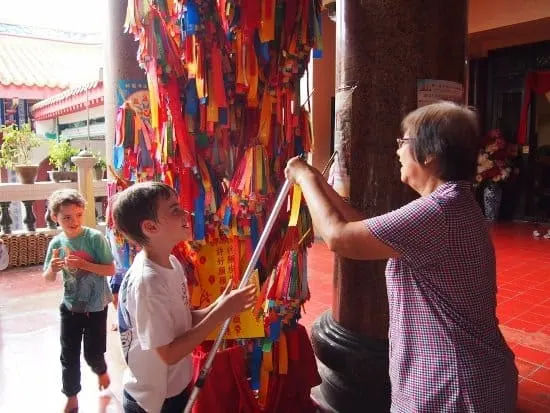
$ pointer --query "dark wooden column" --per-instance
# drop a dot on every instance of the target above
(382, 49)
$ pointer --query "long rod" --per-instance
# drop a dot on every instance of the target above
(329, 163)
(88, 115)
(244, 281)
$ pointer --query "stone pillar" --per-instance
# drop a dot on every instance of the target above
(5, 218)
(85, 162)
(120, 64)
(382, 49)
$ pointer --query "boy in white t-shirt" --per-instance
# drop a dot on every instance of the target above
(158, 330)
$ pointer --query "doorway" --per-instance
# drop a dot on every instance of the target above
(540, 202)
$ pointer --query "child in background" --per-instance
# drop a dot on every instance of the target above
(123, 251)
(83, 256)
(120, 249)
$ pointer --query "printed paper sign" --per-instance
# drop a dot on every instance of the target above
(215, 269)
(431, 91)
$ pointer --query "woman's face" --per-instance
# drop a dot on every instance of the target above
(413, 173)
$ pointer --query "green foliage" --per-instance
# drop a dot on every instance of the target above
(100, 161)
(60, 154)
(17, 145)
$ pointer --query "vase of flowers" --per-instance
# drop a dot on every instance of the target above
(493, 168)
(492, 198)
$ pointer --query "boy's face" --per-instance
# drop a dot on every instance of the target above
(172, 226)
(70, 218)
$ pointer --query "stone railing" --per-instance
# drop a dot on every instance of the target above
(28, 247)
(28, 194)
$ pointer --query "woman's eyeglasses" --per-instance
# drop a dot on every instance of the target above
(402, 141)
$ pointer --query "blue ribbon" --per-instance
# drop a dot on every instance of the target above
(275, 330)
(223, 116)
(144, 154)
(118, 157)
(262, 49)
(254, 231)
(191, 17)
(227, 217)
(255, 365)
(199, 227)
(191, 98)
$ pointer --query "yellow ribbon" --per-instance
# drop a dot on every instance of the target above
(295, 208)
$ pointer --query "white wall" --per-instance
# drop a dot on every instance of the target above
(95, 112)
(43, 126)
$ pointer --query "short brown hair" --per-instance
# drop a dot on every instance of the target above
(450, 133)
(63, 197)
(136, 204)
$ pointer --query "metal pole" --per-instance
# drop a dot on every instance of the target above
(244, 281)
(88, 114)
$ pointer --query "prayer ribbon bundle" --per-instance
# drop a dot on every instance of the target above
(224, 118)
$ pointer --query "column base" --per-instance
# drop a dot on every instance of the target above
(354, 369)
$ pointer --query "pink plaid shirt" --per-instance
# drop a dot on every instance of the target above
(447, 353)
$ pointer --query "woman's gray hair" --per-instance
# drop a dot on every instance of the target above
(450, 133)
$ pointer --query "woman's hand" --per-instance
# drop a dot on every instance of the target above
(297, 170)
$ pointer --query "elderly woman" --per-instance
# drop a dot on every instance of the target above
(447, 353)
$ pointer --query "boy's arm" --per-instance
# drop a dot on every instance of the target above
(231, 302)
(52, 264)
(183, 345)
(198, 315)
(105, 270)
(74, 261)
(49, 275)
(102, 252)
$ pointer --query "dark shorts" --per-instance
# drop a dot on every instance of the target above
(174, 404)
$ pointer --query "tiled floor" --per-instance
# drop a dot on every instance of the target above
(29, 364)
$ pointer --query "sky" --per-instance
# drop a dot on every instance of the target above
(85, 16)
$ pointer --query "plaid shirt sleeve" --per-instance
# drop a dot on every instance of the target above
(417, 231)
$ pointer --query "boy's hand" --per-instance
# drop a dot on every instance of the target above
(232, 302)
(75, 262)
(56, 263)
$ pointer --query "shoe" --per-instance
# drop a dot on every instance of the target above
(536, 234)
(547, 235)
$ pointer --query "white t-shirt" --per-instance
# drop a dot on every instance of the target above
(153, 311)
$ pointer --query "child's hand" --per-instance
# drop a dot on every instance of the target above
(56, 264)
(232, 302)
(74, 262)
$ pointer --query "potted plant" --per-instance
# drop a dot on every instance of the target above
(99, 167)
(15, 152)
(60, 154)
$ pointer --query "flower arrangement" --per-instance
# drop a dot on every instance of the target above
(494, 160)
